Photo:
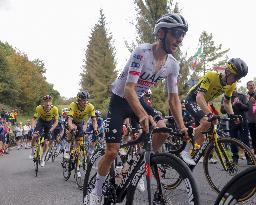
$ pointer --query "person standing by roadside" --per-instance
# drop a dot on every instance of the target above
(19, 134)
(26, 129)
(251, 114)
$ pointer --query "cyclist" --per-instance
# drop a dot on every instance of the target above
(57, 134)
(147, 64)
(45, 120)
(76, 119)
(90, 128)
(210, 86)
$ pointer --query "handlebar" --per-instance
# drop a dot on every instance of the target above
(144, 136)
(229, 118)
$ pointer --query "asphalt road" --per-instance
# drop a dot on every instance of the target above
(19, 186)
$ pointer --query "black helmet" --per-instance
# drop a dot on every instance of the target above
(83, 95)
(171, 20)
(238, 67)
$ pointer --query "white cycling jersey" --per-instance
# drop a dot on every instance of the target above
(140, 69)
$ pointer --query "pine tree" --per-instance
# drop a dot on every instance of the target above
(99, 68)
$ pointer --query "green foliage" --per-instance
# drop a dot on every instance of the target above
(99, 68)
(22, 83)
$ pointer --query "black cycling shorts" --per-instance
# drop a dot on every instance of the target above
(194, 110)
(43, 127)
(118, 110)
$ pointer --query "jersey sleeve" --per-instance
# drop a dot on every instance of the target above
(71, 110)
(36, 113)
(228, 92)
(135, 64)
(172, 79)
(91, 110)
(56, 113)
(205, 83)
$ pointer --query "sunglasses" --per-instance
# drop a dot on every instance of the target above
(177, 33)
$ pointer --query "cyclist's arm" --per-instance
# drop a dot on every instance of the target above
(201, 102)
(70, 123)
(175, 107)
(33, 122)
(133, 100)
(94, 123)
(228, 106)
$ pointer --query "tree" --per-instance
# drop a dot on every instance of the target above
(8, 92)
(22, 83)
(99, 65)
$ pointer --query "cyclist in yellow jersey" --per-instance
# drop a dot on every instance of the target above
(45, 120)
(76, 118)
(210, 86)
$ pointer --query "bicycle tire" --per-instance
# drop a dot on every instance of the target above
(66, 170)
(37, 161)
(175, 163)
(232, 169)
(89, 177)
(237, 187)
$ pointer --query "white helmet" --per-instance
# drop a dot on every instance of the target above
(171, 20)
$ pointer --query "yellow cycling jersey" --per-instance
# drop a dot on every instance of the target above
(79, 115)
(46, 115)
(210, 84)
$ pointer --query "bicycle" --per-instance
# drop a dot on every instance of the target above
(221, 149)
(52, 152)
(146, 162)
(77, 155)
(243, 184)
(38, 152)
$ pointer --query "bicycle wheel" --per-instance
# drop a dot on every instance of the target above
(216, 174)
(90, 176)
(37, 159)
(66, 163)
(83, 167)
(49, 154)
(237, 187)
(164, 166)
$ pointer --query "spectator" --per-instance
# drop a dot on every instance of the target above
(1, 136)
(239, 130)
(26, 134)
(19, 134)
(251, 114)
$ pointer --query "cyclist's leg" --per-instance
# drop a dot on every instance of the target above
(113, 129)
(47, 137)
(38, 131)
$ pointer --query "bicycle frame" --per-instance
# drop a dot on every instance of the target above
(212, 136)
(136, 169)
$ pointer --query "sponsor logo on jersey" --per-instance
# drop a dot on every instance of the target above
(139, 57)
(135, 65)
(133, 72)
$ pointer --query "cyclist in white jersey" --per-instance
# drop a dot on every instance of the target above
(148, 64)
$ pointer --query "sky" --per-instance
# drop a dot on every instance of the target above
(57, 31)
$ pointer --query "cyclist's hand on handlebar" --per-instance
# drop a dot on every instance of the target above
(237, 119)
(184, 131)
(145, 121)
(214, 119)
